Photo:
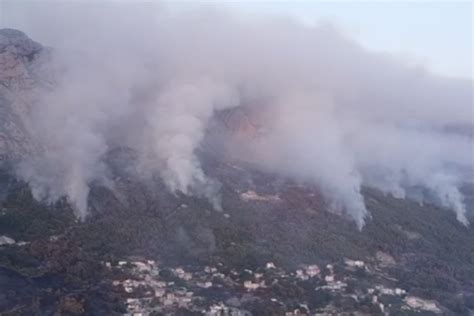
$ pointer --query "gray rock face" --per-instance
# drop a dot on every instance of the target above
(15, 39)
(17, 53)
(21, 61)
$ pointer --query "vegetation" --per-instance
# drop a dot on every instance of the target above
(61, 267)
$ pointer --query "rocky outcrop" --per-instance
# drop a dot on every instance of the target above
(22, 74)
(17, 54)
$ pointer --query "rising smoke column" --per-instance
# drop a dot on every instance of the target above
(176, 126)
(336, 114)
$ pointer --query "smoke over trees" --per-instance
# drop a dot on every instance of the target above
(329, 111)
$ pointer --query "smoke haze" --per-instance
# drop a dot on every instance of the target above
(329, 112)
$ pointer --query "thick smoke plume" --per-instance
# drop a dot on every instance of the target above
(329, 111)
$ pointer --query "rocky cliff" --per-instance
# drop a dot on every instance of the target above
(22, 72)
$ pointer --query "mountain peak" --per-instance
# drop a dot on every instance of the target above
(18, 43)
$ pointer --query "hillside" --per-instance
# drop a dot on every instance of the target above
(430, 257)
(274, 248)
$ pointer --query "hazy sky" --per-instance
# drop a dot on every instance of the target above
(435, 34)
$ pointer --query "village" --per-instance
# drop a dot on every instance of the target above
(154, 289)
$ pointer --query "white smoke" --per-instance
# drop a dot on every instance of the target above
(176, 127)
(150, 78)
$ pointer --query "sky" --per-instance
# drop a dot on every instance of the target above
(437, 35)
(434, 34)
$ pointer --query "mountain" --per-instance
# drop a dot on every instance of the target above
(275, 248)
